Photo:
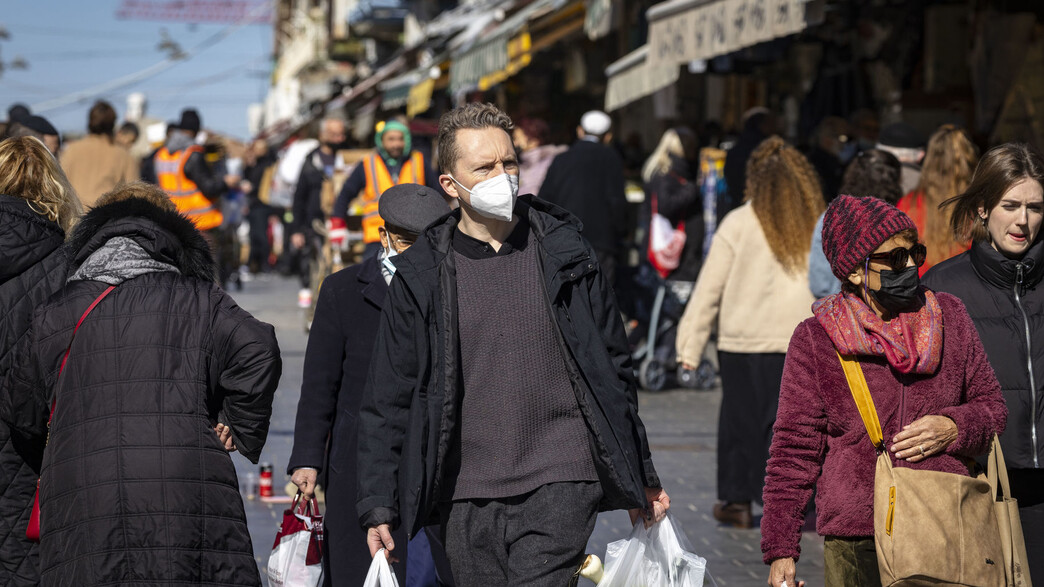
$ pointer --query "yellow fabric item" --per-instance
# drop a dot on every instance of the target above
(170, 174)
(930, 528)
(379, 180)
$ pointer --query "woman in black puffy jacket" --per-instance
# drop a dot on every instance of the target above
(1000, 282)
(135, 486)
(37, 207)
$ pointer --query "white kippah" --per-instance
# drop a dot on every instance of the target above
(595, 122)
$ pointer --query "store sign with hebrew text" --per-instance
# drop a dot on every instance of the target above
(681, 31)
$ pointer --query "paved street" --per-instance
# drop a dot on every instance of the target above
(682, 431)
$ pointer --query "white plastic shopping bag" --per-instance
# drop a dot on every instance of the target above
(297, 555)
(659, 556)
(380, 573)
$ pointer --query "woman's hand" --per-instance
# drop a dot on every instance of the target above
(923, 438)
(224, 434)
(784, 569)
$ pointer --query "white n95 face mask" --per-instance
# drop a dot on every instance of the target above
(386, 262)
(495, 197)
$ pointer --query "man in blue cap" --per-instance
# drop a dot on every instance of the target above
(336, 364)
(394, 162)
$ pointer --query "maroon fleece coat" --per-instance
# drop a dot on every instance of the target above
(819, 438)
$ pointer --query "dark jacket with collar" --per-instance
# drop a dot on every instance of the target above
(337, 360)
(32, 268)
(135, 486)
(588, 181)
(411, 404)
(1012, 330)
(308, 193)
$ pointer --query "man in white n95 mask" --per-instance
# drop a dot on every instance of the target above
(501, 397)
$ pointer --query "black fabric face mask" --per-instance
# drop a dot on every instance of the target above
(900, 290)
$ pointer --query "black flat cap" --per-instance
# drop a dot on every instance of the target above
(901, 135)
(411, 206)
(39, 124)
(189, 121)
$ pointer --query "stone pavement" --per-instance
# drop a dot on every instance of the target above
(681, 425)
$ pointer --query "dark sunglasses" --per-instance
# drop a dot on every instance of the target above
(898, 257)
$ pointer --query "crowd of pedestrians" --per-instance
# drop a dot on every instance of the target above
(469, 400)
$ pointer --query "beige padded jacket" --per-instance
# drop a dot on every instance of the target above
(745, 291)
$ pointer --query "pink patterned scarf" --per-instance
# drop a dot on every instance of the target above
(910, 342)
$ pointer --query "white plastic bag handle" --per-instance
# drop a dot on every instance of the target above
(380, 574)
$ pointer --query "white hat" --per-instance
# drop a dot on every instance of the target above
(595, 122)
(156, 133)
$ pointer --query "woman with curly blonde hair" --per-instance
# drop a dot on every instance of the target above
(754, 288)
(948, 166)
(37, 209)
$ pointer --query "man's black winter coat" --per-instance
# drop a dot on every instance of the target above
(326, 433)
(987, 283)
(588, 181)
(411, 405)
(32, 268)
(135, 486)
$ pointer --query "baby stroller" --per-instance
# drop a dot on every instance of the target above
(656, 358)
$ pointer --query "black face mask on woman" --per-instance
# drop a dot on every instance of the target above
(900, 290)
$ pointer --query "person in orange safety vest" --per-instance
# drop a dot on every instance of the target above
(183, 172)
(394, 162)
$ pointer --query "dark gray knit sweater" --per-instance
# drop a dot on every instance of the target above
(520, 426)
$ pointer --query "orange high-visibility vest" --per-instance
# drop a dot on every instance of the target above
(378, 180)
(170, 173)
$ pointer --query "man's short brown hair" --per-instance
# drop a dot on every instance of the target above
(475, 115)
(102, 119)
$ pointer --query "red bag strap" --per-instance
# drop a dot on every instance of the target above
(65, 358)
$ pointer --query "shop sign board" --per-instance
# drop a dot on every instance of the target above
(686, 30)
(419, 100)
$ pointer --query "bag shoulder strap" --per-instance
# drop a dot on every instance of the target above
(864, 401)
(65, 357)
(997, 470)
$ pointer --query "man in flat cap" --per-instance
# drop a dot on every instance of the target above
(907, 144)
(588, 181)
(28, 125)
(336, 364)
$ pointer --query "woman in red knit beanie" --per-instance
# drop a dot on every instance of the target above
(937, 397)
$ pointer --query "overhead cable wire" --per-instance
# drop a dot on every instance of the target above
(151, 71)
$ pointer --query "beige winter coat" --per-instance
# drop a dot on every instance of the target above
(94, 166)
(745, 292)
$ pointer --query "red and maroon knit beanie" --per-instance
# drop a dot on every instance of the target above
(853, 227)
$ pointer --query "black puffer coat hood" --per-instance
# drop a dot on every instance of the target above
(1005, 299)
(31, 270)
(168, 237)
(135, 487)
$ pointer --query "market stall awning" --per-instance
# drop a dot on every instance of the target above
(633, 77)
(349, 94)
(686, 30)
(499, 53)
(396, 91)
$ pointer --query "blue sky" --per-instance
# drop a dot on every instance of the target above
(73, 45)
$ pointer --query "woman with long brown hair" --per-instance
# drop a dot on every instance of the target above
(948, 165)
(1000, 282)
(37, 208)
(754, 288)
